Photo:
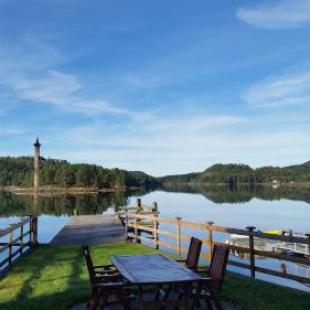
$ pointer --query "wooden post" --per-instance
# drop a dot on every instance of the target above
(139, 205)
(126, 224)
(252, 252)
(155, 232)
(154, 207)
(210, 239)
(139, 211)
(308, 235)
(137, 240)
(10, 246)
(34, 230)
(179, 219)
(21, 240)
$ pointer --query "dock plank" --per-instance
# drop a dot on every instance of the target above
(90, 229)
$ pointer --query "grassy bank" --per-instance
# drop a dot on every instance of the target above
(56, 278)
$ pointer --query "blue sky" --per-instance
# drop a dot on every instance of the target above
(159, 86)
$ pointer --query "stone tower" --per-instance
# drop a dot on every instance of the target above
(36, 175)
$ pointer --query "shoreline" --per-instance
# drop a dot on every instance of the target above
(48, 190)
(269, 184)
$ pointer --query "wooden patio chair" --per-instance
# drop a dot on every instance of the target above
(107, 285)
(190, 262)
(193, 254)
(212, 284)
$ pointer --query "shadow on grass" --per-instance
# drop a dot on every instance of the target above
(49, 279)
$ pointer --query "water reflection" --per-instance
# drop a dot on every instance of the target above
(242, 194)
(17, 205)
(70, 204)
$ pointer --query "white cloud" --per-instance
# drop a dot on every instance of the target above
(137, 81)
(61, 90)
(288, 89)
(278, 14)
(161, 153)
(8, 130)
(33, 78)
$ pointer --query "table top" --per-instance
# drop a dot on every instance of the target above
(152, 269)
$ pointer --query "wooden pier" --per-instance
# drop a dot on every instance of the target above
(91, 229)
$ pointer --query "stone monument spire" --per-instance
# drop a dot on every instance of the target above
(36, 174)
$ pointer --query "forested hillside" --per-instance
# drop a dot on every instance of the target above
(19, 172)
(243, 174)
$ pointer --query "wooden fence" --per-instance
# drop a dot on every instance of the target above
(16, 239)
(141, 225)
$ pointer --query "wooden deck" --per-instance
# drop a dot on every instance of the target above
(90, 229)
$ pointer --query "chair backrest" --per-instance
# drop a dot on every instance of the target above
(89, 263)
(193, 253)
(218, 265)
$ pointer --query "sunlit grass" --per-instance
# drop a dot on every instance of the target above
(56, 278)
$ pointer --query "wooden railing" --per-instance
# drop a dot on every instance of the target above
(146, 227)
(16, 239)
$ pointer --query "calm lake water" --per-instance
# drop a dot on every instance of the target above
(265, 208)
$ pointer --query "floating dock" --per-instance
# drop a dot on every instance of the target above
(91, 229)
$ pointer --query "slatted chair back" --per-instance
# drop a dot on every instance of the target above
(193, 253)
(89, 263)
(218, 265)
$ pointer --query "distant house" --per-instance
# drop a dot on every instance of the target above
(275, 184)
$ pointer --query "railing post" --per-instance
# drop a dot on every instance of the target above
(126, 224)
(139, 205)
(21, 240)
(251, 249)
(154, 207)
(137, 240)
(308, 235)
(10, 245)
(210, 239)
(34, 230)
(179, 219)
(155, 231)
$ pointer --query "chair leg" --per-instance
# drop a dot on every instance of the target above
(92, 302)
(217, 302)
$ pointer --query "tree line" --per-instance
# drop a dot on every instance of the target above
(18, 171)
(233, 174)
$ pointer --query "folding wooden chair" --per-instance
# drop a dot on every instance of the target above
(107, 285)
(212, 284)
(193, 254)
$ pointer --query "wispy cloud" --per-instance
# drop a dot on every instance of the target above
(6, 130)
(137, 81)
(278, 14)
(288, 89)
(182, 151)
(35, 78)
(64, 91)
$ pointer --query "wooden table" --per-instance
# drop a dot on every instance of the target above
(156, 269)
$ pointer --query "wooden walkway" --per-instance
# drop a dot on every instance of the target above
(90, 229)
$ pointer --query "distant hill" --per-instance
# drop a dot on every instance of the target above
(242, 174)
(18, 171)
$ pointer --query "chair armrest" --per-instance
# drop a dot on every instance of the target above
(202, 269)
(107, 272)
(209, 281)
(110, 284)
(107, 277)
(104, 267)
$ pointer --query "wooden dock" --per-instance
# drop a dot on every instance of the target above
(91, 229)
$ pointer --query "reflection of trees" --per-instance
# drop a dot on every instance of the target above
(238, 194)
(14, 205)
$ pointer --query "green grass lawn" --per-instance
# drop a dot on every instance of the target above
(56, 278)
